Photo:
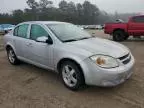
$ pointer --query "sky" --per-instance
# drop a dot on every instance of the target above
(110, 6)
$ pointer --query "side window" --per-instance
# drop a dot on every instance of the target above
(21, 31)
(16, 31)
(139, 19)
(37, 31)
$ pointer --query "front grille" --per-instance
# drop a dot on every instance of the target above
(125, 59)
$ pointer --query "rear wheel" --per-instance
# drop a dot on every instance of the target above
(71, 75)
(12, 57)
(5, 32)
(119, 36)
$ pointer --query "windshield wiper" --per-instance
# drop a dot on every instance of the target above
(70, 40)
(84, 38)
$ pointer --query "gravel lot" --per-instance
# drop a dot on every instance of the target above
(26, 86)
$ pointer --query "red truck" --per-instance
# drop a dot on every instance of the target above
(122, 31)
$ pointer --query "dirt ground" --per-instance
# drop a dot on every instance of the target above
(1, 42)
(26, 86)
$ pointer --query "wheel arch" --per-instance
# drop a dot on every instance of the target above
(118, 29)
(10, 46)
(72, 60)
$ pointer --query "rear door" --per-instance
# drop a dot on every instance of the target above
(136, 25)
(20, 37)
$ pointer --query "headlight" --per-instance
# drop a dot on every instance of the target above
(105, 61)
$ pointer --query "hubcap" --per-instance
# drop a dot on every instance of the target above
(69, 76)
(11, 56)
(118, 36)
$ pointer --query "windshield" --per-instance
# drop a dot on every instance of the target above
(68, 32)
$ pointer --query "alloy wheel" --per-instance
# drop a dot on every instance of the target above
(69, 76)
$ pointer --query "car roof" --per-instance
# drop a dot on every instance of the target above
(44, 22)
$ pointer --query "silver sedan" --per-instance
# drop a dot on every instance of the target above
(65, 48)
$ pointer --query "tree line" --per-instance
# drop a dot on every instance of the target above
(84, 13)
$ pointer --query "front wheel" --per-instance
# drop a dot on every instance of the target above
(119, 36)
(71, 75)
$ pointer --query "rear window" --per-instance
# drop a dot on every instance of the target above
(16, 31)
(139, 19)
(21, 31)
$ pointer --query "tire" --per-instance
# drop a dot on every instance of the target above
(119, 36)
(5, 32)
(12, 57)
(126, 37)
(71, 75)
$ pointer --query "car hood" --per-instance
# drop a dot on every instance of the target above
(101, 46)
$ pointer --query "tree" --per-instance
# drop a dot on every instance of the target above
(85, 13)
(71, 8)
(34, 9)
(18, 16)
(79, 9)
(80, 13)
(45, 3)
(32, 4)
(63, 5)
(90, 12)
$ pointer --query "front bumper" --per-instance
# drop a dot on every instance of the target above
(95, 75)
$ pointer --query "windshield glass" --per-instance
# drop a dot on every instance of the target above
(68, 32)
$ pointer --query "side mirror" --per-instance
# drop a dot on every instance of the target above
(49, 41)
(44, 39)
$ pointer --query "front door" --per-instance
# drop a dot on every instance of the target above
(38, 52)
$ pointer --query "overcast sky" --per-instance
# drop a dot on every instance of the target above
(110, 6)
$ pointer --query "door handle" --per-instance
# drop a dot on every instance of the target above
(29, 44)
